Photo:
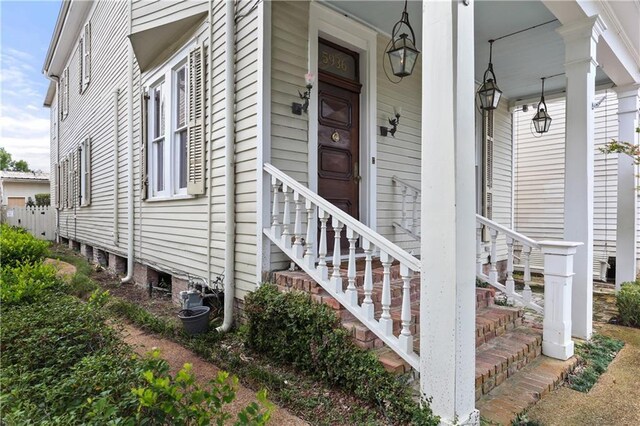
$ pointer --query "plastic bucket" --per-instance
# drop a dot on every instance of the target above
(195, 320)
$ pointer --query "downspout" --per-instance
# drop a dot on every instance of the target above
(130, 238)
(230, 188)
(58, 179)
(116, 132)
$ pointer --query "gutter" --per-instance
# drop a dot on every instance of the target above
(62, 16)
(230, 187)
(130, 194)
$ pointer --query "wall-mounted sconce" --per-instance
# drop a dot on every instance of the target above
(394, 123)
(297, 108)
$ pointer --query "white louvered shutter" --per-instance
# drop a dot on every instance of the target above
(65, 112)
(196, 145)
(487, 199)
(144, 140)
(86, 172)
(81, 66)
(57, 187)
(76, 178)
(86, 72)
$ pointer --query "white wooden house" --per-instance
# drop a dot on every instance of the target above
(176, 150)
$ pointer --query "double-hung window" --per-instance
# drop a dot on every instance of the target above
(173, 163)
(168, 127)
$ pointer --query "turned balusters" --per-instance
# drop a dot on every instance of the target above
(309, 255)
(335, 277)
(414, 214)
(510, 284)
(479, 229)
(406, 338)
(298, 249)
(493, 270)
(322, 246)
(352, 291)
(286, 218)
(526, 258)
(367, 303)
(385, 318)
(404, 206)
(275, 211)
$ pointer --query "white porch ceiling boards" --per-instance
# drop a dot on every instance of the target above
(519, 61)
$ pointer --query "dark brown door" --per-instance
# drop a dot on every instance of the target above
(338, 143)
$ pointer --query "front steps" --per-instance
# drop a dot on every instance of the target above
(505, 345)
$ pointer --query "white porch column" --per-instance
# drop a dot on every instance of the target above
(447, 297)
(626, 231)
(580, 39)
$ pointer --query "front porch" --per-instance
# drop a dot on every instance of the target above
(416, 225)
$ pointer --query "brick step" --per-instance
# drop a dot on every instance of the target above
(502, 356)
(520, 392)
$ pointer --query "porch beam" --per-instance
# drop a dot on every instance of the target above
(627, 208)
(580, 38)
(447, 296)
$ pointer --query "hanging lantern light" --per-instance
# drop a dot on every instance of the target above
(403, 53)
(542, 120)
(488, 95)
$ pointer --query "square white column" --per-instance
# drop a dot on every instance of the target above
(580, 39)
(627, 208)
(447, 297)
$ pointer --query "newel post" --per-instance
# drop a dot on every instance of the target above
(558, 281)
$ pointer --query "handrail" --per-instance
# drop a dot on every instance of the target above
(513, 234)
(363, 230)
(405, 183)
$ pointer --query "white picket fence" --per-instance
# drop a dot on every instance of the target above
(39, 221)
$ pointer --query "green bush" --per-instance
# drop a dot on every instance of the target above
(595, 356)
(291, 329)
(43, 199)
(17, 246)
(628, 304)
(27, 283)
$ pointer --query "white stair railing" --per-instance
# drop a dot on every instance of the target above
(298, 242)
(512, 238)
(410, 221)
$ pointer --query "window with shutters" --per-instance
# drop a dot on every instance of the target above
(174, 128)
(85, 172)
(84, 57)
(63, 94)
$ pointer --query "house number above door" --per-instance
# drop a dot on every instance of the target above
(333, 59)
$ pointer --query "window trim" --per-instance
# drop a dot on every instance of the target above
(167, 75)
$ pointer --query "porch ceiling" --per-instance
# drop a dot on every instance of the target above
(519, 61)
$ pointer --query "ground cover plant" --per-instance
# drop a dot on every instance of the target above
(292, 329)
(595, 356)
(63, 363)
(628, 304)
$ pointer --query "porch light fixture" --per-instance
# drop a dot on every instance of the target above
(542, 120)
(403, 53)
(394, 123)
(297, 108)
(488, 95)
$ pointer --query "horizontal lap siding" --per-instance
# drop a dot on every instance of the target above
(400, 155)
(146, 14)
(540, 177)
(502, 172)
(247, 63)
(289, 63)
(173, 233)
(91, 115)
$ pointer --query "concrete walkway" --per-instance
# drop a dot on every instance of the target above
(176, 355)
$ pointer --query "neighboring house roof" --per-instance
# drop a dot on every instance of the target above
(8, 176)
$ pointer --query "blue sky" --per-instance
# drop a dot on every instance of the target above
(25, 32)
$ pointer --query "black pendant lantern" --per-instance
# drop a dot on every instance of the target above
(488, 95)
(403, 53)
(542, 120)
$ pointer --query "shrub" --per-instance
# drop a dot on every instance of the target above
(17, 246)
(291, 329)
(628, 304)
(43, 199)
(28, 282)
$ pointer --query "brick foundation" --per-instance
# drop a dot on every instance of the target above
(117, 264)
(100, 258)
(143, 275)
(178, 285)
(74, 245)
(87, 251)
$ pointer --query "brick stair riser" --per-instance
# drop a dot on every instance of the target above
(511, 361)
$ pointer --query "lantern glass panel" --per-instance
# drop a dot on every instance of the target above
(489, 95)
(403, 57)
(542, 121)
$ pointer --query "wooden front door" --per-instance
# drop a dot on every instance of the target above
(338, 143)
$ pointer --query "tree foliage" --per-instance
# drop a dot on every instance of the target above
(7, 162)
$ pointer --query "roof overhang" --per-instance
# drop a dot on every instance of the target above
(51, 92)
(151, 44)
(71, 18)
